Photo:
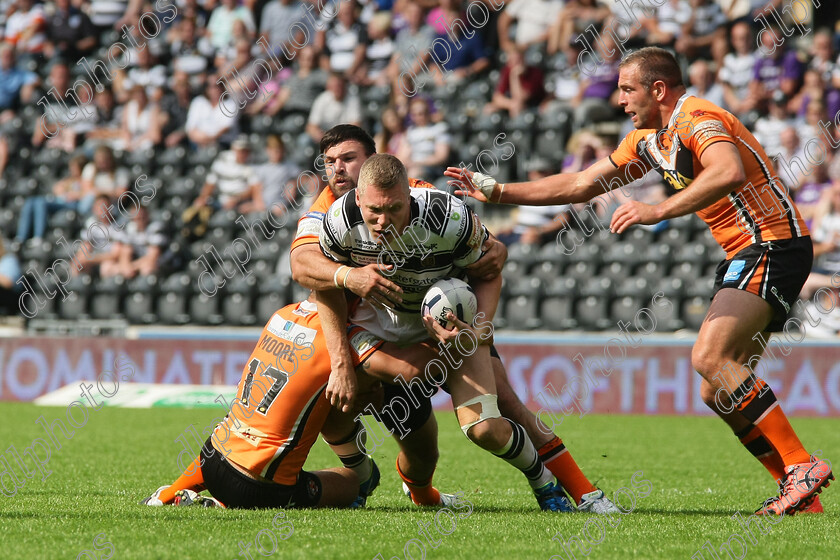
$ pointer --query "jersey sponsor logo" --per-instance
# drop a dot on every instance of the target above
(676, 179)
(313, 214)
(698, 113)
(455, 216)
(291, 331)
(309, 227)
(477, 236)
(707, 130)
(363, 341)
(247, 433)
(734, 271)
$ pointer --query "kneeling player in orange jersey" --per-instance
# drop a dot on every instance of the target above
(255, 456)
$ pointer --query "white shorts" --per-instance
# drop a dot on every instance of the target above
(390, 325)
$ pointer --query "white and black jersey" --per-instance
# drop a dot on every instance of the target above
(443, 237)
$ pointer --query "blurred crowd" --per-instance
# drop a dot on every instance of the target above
(247, 88)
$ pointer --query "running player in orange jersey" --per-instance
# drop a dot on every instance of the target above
(345, 148)
(715, 168)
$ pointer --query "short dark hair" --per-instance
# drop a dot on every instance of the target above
(655, 64)
(344, 132)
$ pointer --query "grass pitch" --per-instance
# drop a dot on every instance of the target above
(699, 474)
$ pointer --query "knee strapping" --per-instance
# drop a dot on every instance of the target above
(489, 409)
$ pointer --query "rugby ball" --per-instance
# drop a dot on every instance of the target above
(450, 294)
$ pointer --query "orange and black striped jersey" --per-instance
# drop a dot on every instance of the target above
(759, 210)
(309, 225)
(280, 405)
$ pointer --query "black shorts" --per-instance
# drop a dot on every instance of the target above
(236, 490)
(774, 270)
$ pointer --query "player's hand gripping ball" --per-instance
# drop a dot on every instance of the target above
(450, 294)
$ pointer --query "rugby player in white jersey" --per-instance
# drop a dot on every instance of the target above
(427, 235)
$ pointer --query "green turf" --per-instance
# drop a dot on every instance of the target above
(700, 477)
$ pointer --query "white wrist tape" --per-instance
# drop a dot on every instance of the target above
(485, 183)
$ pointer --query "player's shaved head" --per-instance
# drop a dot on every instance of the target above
(654, 64)
(384, 172)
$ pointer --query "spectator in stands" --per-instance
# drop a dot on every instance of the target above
(391, 133)
(113, 14)
(10, 273)
(378, 52)
(276, 179)
(573, 20)
(73, 120)
(411, 52)
(107, 120)
(103, 176)
(146, 72)
(16, 86)
(704, 34)
(823, 57)
(597, 97)
(812, 191)
(231, 182)
(566, 78)
(462, 50)
(333, 106)
(808, 125)
(663, 29)
(702, 83)
(520, 86)
(777, 68)
(220, 26)
(190, 52)
(25, 29)
(91, 256)
(342, 43)
(278, 22)
(69, 193)
(536, 225)
(533, 19)
(768, 128)
(141, 121)
(174, 108)
(826, 236)
(207, 123)
(137, 248)
(298, 92)
(789, 150)
(70, 33)
(425, 151)
(737, 70)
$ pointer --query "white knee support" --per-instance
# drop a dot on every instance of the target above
(489, 409)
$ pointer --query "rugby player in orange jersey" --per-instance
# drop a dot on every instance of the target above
(254, 457)
(715, 168)
(344, 149)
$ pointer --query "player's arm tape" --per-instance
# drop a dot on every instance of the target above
(487, 184)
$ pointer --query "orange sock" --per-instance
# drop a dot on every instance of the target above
(757, 402)
(761, 449)
(562, 465)
(190, 479)
(422, 493)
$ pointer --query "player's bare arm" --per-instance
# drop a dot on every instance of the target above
(312, 270)
(491, 262)
(562, 188)
(723, 172)
(342, 386)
